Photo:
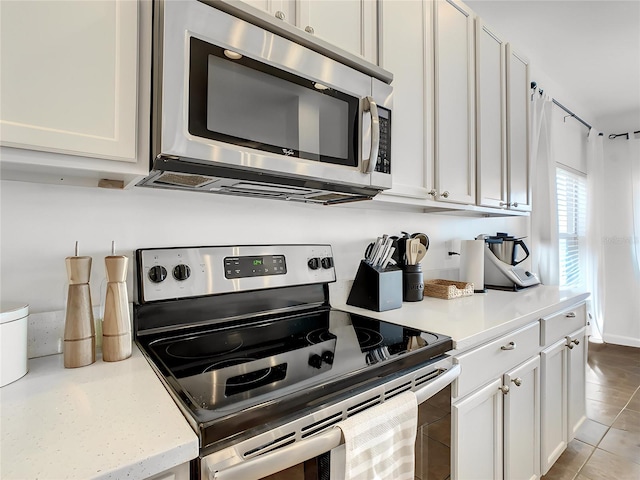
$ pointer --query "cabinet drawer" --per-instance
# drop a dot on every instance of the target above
(491, 360)
(556, 326)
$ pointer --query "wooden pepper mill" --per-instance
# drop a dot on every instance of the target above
(79, 329)
(116, 326)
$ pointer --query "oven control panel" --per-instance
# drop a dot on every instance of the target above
(255, 266)
(174, 273)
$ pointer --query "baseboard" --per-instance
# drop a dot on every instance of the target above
(621, 340)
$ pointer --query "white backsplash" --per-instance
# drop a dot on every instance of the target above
(41, 223)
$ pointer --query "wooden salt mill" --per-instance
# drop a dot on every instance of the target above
(79, 329)
(116, 326)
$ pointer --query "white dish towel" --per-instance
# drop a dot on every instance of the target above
(380, 442)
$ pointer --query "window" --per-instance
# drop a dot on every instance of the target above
(572, 206)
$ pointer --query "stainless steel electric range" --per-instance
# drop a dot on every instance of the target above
(247, 343)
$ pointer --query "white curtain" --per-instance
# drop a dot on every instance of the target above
(544, 215)
(633, 146)
(595, 246)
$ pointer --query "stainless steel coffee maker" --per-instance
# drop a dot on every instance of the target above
(502, 257)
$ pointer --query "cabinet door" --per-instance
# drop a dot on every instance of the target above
(348, 24)
(553, 407)
(518, 157)
(281, 9)
(70, 77)
(477, 434)
(576, 394)
(490, 118)
(406, 29)
(179, 472)
(522, 422)
(454, 103)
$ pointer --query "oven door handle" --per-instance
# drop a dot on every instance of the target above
(311, 447)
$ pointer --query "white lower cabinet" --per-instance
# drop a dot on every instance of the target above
(179, 472)
(522, 421)
(477, 434)
(563, 367)
(496, 427)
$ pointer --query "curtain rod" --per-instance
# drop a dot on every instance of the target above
(571, 114)
(626, 134)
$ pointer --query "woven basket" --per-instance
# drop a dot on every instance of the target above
(447, 289)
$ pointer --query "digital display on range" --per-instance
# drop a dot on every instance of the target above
(254, 266)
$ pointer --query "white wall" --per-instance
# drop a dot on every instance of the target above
(40, 224)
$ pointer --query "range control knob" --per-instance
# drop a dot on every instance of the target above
(181, 272)
(157, 273)
(314, 263)
(327, 262)
(315, 361)
(327, 357)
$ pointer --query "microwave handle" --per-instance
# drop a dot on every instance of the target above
(371, 107)
(311, 447)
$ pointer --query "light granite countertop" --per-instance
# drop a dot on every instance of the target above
(103, 421)
(472, 320)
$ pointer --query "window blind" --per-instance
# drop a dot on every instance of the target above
(572, 207)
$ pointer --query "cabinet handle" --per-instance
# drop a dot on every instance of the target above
(505, 204)
(571, 315)
(280, 15)
(517, 381)
(570, 345)
(432, 192)
(514, 204)
(509, 346)
(576, 341)
(504, 389)
(309, 29)
(445, 194)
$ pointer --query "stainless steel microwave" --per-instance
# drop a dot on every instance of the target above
(239, 109)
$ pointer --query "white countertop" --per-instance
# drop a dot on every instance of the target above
(471, 320)
(103, 421)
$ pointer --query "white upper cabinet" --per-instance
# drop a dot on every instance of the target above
(70, 85)
(518, 153)
(284, 10)
(407, 51)
(490, 118)
(348, 24)
(455, 176)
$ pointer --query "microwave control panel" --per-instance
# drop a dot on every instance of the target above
(383, 164)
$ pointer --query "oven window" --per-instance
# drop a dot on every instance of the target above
(251, 104)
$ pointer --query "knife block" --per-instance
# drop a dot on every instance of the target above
(79, 329)
(376, 289)
(116, 325)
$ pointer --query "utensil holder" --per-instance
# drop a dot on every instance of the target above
(376, 289)
(412, 283)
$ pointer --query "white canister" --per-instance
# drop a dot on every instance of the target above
(13, 341)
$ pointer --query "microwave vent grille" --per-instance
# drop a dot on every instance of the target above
(184, 179)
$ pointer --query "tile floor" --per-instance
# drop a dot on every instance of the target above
(607, 447)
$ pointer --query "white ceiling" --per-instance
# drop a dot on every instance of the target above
(590, 47)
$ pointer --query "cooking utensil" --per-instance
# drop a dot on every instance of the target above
(412, 250)
(388, 259)
(424, 240)
(422, 251)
